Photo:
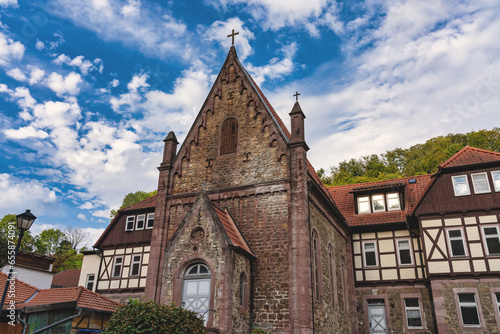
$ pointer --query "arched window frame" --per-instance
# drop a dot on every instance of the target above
(333, 276)
(229, 140)
(243, 290)
(317, 277)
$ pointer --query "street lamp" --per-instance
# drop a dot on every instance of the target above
(24, 222)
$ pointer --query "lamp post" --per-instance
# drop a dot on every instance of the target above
(24, 222)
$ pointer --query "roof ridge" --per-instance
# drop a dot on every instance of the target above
(99, 295)
(377, 181)
(463, 151)
(18, 280)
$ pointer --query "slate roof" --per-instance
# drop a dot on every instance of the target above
(232, 230)
(66, 278)
(345, 200)
(84, 299)
(22, 293)
(470, 156)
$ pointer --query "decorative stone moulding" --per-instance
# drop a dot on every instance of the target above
(197, 235)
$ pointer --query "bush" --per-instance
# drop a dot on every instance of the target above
(152, 318)
(257, 330)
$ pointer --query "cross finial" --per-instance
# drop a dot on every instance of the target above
(232, 36)
(296, 96)
(204, 184)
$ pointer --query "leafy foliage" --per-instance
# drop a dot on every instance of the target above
(48, 241)
(419, 159)
(257, 330)
(132, 198)
(152, 318)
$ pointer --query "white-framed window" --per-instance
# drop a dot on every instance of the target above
(129, 226)
(135, 266)
(117, 266)
(90, 281)
(150, 221)
(413, 313)
(469, 313)
(364, 204)
(393, 202)
(497, 301)
(491, 239)
(456, 242)
(496, 179)
(370, 253)
(404, 252)
(378, 203)
(460, 185)
(481, 183)
(140, 222)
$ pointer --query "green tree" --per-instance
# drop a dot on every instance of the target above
(67, 257)
(27, 244)
(132, 198)
(417, 160)
(48, 241)
(152, 318)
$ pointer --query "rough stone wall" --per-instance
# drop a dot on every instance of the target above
(258, 157)
(211, 247)
(444, 300)
(241, 313)
(263, 221)
(328, 317)
(123, 298)
(396, 312)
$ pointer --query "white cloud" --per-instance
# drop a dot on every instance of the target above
(277, 68)
(142, 27)
(39, 45)
(218, 31)
(87, 206)
(81, 216)
(16, 195)
(8, 3)
(17, 74)
(56, 115)
(64, 85)
(277, 14)
(59, 40)
(80, 62)
(93, 235)
(433, 68)
(26, 132)
(114, 83)
(36, 74)
(10, 50)
(133, 97)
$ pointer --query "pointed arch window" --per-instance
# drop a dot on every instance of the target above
(229, 136)
(316, 266)
(243, 289)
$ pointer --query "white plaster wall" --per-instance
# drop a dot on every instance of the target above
(37, 278)
(90, 265)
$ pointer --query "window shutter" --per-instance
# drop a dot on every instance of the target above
(229, 136)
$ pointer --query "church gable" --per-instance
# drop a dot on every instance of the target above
(235, 139)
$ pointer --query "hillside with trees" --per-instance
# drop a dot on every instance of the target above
(419, 159)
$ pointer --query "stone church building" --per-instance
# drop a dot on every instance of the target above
(243, 231)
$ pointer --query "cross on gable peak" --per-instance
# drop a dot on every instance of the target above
(232, 36)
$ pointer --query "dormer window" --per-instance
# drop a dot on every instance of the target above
(229, 136)
(460, 185)
(481, 183)
(379, 202)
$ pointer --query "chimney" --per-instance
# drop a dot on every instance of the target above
(170, 149)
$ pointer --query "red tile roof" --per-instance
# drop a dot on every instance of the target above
(23, 291)
(84, 299)
(65, 279)
(345, 200)
(144, 204)
(232, 230)
(470, 156)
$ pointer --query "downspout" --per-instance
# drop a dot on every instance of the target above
(22, 321)
(309, 184)
(58, 322)
(424, 277)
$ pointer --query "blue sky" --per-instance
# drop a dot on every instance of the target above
(89, 88)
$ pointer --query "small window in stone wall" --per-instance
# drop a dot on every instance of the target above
(333, 276)
(229, 136)
(413, 314)
(468, 309)
(316, 262)
(243, 288)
